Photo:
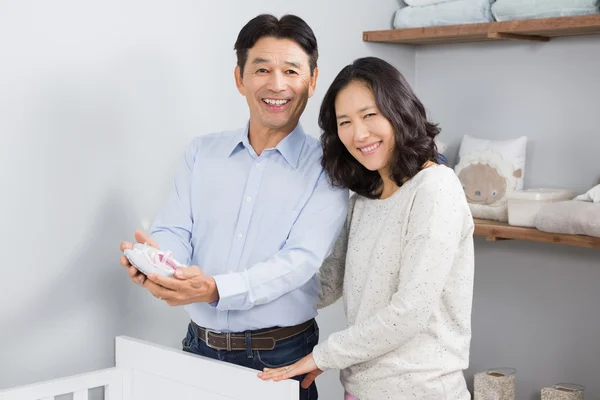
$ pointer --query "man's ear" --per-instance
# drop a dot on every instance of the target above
(239, 82)
(313, 82)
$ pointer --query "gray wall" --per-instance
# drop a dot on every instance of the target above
(83, 85)
(97, 100)
(536, 306)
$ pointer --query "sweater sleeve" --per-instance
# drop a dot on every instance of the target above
(434, 230)
(331, 273)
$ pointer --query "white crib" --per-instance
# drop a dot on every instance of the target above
(146, 371)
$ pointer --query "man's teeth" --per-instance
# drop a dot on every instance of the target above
(274, 102)
(370, 148)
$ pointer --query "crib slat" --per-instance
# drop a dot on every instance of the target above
(114, 391)
(81, 395)
(73, 384)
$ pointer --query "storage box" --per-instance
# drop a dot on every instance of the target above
(523, 205)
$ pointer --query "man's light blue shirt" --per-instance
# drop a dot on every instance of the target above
(260, 225)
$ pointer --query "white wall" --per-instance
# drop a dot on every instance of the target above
(97, 100)
(536, 305)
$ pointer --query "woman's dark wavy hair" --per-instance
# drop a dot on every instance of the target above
(413, 133)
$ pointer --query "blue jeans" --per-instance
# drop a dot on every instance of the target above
(286, 352)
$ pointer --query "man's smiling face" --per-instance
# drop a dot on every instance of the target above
(276, 82)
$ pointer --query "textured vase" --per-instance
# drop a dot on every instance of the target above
(563, 391)
(495, 384)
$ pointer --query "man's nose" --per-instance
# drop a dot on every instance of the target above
(277, 82)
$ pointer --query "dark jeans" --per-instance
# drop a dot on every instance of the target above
(286, 352)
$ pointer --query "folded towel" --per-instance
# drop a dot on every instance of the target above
(570, 217)
(450, 13)
(423, 3)
(592, 195)
(505, 10)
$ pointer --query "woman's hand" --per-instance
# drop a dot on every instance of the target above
(304, 366)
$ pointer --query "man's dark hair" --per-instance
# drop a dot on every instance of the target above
(288, 27)
(413, 133)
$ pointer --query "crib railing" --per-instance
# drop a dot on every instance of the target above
(147, 371)
(110, 379)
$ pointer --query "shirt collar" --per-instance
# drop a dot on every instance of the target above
(289, 147)
(240, 141)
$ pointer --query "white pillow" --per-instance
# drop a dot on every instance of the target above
(592, 195)
(513, 150)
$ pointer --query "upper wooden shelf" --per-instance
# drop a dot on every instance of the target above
(494, 230)
(533, 29)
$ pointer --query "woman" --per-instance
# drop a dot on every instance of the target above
(404, 261)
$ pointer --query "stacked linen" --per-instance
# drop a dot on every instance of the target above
(580, 216)
(423, 3)
(505, 10)
(421, 13)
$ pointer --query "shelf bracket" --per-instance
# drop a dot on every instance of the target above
(495, 238)
(517, 36)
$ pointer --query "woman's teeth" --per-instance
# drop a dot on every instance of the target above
(370, 148)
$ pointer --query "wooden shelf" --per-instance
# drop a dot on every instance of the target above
(533, 29)
(494, 230)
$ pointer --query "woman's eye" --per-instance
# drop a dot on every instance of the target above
(370, 115)
(344, 123)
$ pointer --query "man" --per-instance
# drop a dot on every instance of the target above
(253, 213)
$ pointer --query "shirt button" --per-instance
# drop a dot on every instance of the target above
(240, 235)
(248, 199)
(257, 165)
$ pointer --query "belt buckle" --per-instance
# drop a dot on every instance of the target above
(228, 339)
(206, 332)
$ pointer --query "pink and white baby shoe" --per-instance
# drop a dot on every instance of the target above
(148, 259)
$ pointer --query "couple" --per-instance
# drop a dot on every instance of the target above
(263, 217)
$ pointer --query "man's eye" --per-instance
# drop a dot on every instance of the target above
(261, 70)
(290, 72)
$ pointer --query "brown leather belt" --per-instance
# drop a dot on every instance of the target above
(264, 339)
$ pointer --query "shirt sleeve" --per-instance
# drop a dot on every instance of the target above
(172, 228)
(435, 228)
(311, 239)
(331, 273)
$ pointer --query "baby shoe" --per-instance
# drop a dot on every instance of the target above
(148, 259)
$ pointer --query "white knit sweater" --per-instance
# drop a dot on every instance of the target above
(405, 268)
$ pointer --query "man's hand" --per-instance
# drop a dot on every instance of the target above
(135, 275)
(189, 285)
